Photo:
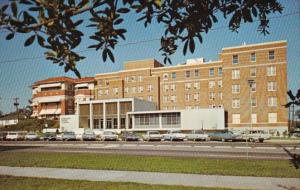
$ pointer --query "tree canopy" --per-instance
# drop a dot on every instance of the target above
(55, 24)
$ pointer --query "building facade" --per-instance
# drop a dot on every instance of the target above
(58, 95)
(248, 82)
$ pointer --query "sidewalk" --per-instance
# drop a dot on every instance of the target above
(237, 182)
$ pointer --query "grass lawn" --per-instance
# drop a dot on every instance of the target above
(275, 168)
(24, 183)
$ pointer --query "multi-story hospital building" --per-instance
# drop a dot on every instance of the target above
(245, 88)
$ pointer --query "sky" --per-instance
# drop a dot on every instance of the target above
(20, 67)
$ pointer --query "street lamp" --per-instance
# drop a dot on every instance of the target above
(250, 82)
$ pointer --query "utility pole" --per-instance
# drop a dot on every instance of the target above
(16, 104)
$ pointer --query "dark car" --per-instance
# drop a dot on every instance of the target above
(3, 136)
(69, 136)
(224, 136)
(49, 136)
(130, 136)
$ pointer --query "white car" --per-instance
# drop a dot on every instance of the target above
(174, 135)
(15, 136)
(152, 135)
(32, 136)
(109, 135)
(196, 135)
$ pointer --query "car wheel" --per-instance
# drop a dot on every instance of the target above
(261, 140)
(223, 140)
(251, 140)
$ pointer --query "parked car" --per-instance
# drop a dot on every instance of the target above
(69, 136)
(224, 136)
(3, 136)
(196, 135)
(32, 136)
(108, 135)
(152, 136)
(16, 136)
(59, 137)
(174, 135)
(263, 134)
(130, 136)
(49, 136)
(88, 135)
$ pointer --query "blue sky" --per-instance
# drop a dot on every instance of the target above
(17, 76)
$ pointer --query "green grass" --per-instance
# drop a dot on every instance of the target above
(235, 167)
(24, 183)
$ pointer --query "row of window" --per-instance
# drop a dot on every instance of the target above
(190, 107)
(271, 71)
(235, 58)
(192, 97)
(134, 79)
(195, 73)
(272, 118)
(272, 86)
(272, 102)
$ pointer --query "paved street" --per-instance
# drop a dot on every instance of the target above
(188, 149)
(238, 182)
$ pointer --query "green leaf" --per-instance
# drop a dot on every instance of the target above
(77, 23)
(185, 47)
(41, 40)
(192, 45)
(111, 56)
(119, 21)
(14, 8)
(123, 10)
(10, 36)
(29, 41)
(104, 54)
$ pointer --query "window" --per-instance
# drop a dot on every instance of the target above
(197, 73)
(253, 57)
(173, 75)
(173, 98)
(253, 72)
(107, 83)
(133, 90)
(165, 87)
(197, 85)
(188, 86)
(220, 71)
(126, 79)
(253, 118)
(236, 103)
(106, 92)
(211, 72)
(272, 86)
(235, 59)
(197, 97)
(272, 101)
(187, 74)
(253, 102)
(173, 87)
(165, 98)
(141, 89)
(188, 97)
(150, 88)
(211, 96)
(126, 90)
(236, 118)
(140, 78)
(165, 76)
(115, 90)
(272, 117)
(235, 73)
(220, 84)
(235, 88)
(271, 55)
(133, 78)
(271, 71)
(150, 98)
(220, 95)
(253, 87)
(100, 92)
(211, 84)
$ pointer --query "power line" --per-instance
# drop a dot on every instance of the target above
(141, 41)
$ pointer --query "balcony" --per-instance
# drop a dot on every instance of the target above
(83, 92)
(54, 93)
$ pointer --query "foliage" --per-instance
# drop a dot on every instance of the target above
(54, 25)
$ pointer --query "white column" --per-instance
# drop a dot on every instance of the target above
(133, 121)
(104, 115)
(160, 121)
(126, 121)
(91, 116)
(118, 114)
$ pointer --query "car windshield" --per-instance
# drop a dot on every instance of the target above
(108, 133)
(176, 132)
(31, 133)
(89, 132)
(199, 132)
(12, 133)
(69, 133)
